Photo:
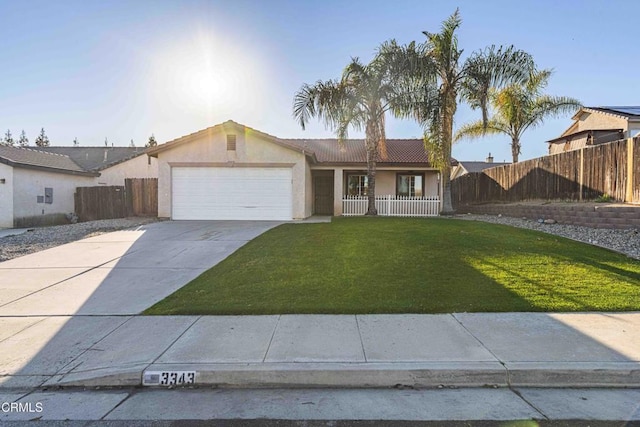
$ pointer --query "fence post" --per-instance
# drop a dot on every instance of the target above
(629, 193)
(581, 178)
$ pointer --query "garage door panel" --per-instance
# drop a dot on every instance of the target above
(231, 193)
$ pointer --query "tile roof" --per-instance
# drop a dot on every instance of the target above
(96, 158)
(35, 159)
(353, 150)
(474, 167)
(409, 151)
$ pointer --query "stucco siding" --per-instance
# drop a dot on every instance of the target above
(308, 203)
(138, 167)
(601, 121)
(6, 196)
(431, 184)
(211, 150)
(29, 184)
(574, 144)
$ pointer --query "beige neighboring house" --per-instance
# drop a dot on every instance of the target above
(463, 167)
(597, 125)
(37, 184)
(231, 171)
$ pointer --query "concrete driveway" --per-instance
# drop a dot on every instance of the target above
(119, 273)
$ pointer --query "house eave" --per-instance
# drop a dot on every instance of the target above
(221, 127)
(48, 169)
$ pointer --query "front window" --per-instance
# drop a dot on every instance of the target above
(409, 185)
(357, 185)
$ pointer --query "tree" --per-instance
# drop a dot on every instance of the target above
(445, 79)
(152, 141)
(75, 142)
(518, 107)
(42, 140)
(8, 139)
(360, 99)
(23, 141)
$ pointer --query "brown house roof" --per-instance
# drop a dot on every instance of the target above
(353, 150)
(34, 159)
(401, 151)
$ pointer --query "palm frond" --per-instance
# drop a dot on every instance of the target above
(477, 129)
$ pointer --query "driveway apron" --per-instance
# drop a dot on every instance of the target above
(119, 273)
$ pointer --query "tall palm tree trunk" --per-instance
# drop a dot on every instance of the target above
(448, 111)
(371, 177)
(515, 149)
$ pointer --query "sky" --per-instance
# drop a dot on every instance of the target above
(123, 70)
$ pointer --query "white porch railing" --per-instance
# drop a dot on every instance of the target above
(392, 205)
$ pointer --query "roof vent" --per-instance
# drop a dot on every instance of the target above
(231, 142)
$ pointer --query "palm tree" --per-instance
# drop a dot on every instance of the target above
(519, 107)
(359, 99)
(446, 79)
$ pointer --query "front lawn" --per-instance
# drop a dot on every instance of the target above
(401, 265)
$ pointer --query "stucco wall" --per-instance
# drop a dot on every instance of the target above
(6, 196)
(386, 181)
(575, 144)
(29, 184)
(137, 167)
(601, 121)
(308, 202)
(250, 150)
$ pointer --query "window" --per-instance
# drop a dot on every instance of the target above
(409, 185)
(357, 185)
(231, 142)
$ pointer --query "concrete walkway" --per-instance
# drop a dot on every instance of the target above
(470, 350)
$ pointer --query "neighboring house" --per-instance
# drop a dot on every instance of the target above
(464, 167)
(37, 187)
(230, 171)
(114, 163)
(37, 184)
(597, 125)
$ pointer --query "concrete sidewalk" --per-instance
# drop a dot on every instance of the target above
(469, 350)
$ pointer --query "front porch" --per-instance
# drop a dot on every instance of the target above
(399, 192)
(391, 205)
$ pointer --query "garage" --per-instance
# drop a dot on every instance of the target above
(231, 193)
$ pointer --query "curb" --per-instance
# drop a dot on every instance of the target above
(368, 375)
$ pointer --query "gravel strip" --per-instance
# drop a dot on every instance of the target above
(623, 241)
(41, 238)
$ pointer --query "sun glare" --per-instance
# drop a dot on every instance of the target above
(206, 75)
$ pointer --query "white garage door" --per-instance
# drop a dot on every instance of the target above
(231, 193)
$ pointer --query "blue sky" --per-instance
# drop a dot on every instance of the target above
(125, 69)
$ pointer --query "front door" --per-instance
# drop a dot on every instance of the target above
(323, 193)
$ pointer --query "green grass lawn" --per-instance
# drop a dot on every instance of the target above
(401, 265)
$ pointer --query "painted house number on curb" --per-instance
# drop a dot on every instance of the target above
(169, 378)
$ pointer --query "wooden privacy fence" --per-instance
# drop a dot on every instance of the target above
(392, 205)
(608, 169)
(142, 196)
(138, 197)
